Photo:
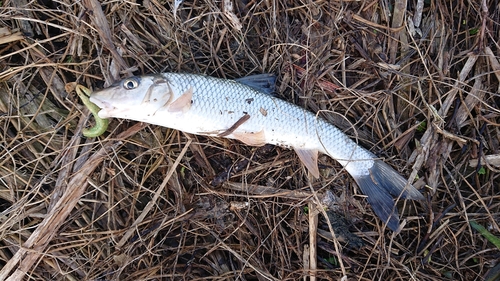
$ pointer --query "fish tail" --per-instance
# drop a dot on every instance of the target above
(380, 186)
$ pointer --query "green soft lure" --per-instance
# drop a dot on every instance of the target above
(100, 124)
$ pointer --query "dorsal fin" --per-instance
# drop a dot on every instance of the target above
(261, 82)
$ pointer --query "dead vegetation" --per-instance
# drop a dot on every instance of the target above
(415, 82)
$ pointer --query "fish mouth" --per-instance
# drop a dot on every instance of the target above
(105, 107)
(100, 103)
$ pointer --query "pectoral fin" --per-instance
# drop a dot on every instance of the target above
(310, 159)
(252, 139)
(182, 103)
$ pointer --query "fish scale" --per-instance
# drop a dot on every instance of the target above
(211, 106)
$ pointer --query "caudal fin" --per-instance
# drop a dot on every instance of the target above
(380, 186)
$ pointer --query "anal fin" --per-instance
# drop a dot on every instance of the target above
(182, 103)
(252, 139)
(310, 159)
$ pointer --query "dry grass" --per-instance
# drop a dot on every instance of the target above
(150, 203)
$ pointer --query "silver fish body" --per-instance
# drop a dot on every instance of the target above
(211, 106)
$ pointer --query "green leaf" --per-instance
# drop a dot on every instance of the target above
(332, 260)
(473, 31)
(421, 127)
(482, 171)
(492, 238)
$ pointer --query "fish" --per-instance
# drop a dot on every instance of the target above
(246, 110)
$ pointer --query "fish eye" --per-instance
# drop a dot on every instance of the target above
(131, 83)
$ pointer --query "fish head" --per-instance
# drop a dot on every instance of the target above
(133, 98)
